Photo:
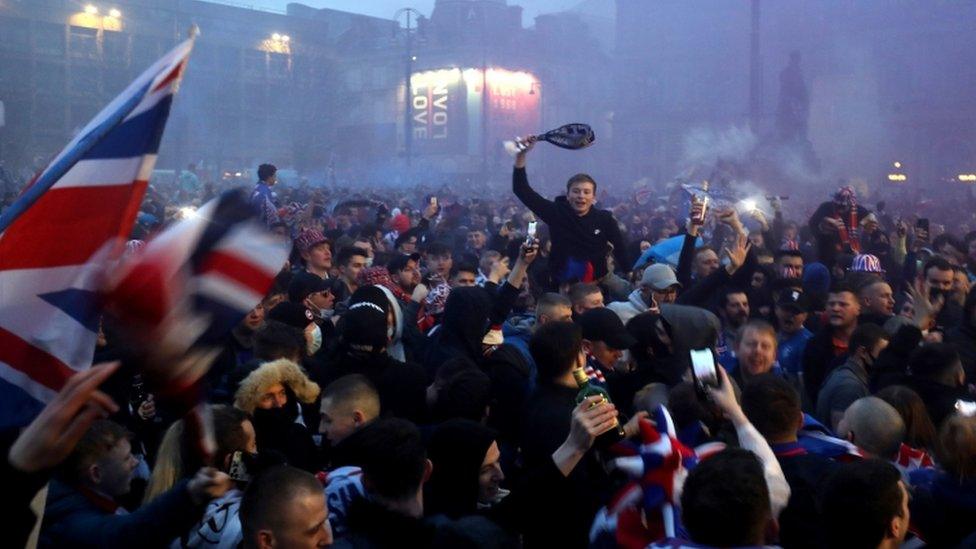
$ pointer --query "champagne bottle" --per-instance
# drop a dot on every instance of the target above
(586, 390)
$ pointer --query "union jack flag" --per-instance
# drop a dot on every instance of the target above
(56, 238)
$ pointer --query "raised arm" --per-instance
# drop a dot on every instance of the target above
(541, 207)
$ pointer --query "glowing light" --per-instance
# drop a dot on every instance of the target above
(237, 174)
(188, 212)
(510, 80)
(285, 38)
(897, 164)
(436, 79)
(276, 37)
(749, 205)
(897, 177)
(91, 10)
(114, 13)
(413, 58)
(967, 177)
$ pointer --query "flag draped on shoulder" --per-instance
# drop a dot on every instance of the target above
(55, 239)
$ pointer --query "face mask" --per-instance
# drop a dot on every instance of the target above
(316, 343)
(326, 314)
(369, 262)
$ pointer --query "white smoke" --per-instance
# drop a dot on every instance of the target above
(706, 146)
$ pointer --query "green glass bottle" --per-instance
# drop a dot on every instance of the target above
(586, 390)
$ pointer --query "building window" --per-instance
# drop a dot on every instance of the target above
(49, 39)
(81, 114)
(49, 113)
(116, 48)
(15, 34)
(254, 96)
(254, 63)
(278, 65)
(84, 42)
(84, 81)
(49, 76)
(14, 73)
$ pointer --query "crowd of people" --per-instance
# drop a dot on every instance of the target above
(439, 369)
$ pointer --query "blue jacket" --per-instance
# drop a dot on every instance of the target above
(518, 331)
(262, 200)
(72, 519)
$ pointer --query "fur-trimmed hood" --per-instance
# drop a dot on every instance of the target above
(281, 371)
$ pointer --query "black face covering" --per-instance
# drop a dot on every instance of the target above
(273, 425)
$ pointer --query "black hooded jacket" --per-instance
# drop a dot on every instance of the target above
(402, 386)
(584, 238)
(468, 314)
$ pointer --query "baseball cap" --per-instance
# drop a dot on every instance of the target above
(305, 283)
(659, 276)
(604, 325)
(795, 301)
(291, 314)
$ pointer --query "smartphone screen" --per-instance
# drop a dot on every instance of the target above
(703, 368)
(922, 228)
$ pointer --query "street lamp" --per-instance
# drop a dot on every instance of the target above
(536, 88)
(91, 10)
(114, 13)
(412, 15)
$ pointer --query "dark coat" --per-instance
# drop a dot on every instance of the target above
(819, 360)
(402, 386)
(73, 520)
(583, 238)
(546, 424)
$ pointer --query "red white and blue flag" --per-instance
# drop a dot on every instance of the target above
(177, 297)
(57, 237)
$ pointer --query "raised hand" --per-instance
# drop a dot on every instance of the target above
(52, 435)
(525, 145)
(737, 255)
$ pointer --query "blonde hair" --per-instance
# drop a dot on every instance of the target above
(169, 468)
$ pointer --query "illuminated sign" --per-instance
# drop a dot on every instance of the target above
(446, 108)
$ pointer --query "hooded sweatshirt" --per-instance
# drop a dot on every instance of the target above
(627, 310)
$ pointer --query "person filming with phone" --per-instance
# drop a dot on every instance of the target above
(582, 235)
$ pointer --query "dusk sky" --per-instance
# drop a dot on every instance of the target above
(386, 8)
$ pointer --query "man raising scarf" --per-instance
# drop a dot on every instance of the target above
(836, 226)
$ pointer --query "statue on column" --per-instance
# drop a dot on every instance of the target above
(793, 111)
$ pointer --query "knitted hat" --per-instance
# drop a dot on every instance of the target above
(816, 278)
(368, 293)
(308, 238)
(866, 263)
(400, 223)
(364, 327)
(292, 314)
(380, 276)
